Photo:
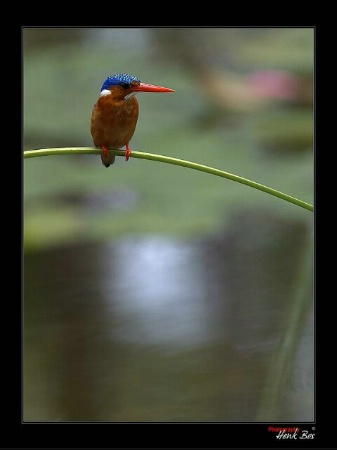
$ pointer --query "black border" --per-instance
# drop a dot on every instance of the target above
(15, 434)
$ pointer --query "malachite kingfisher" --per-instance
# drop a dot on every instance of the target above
(115, 114)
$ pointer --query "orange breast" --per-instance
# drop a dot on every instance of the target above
(113, 121)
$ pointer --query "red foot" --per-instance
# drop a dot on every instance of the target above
(105, 152)
(127, 152)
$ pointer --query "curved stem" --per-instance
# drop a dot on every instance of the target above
(175, 161)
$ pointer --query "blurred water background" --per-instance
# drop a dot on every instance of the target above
(154, 293)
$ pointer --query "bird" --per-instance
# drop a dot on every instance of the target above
(115, 114)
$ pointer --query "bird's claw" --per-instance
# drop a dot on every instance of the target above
(127, 153)
(105, 152)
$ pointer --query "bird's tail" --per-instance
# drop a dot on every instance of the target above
(108, 160)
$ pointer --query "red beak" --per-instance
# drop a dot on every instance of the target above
(150, 88)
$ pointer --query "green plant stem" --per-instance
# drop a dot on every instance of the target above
(286, 351)
(169, 160)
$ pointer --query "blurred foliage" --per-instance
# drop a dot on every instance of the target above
(269, 141)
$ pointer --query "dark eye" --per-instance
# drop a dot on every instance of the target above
(125, 85)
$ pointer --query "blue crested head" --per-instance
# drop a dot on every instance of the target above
(119, 79)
